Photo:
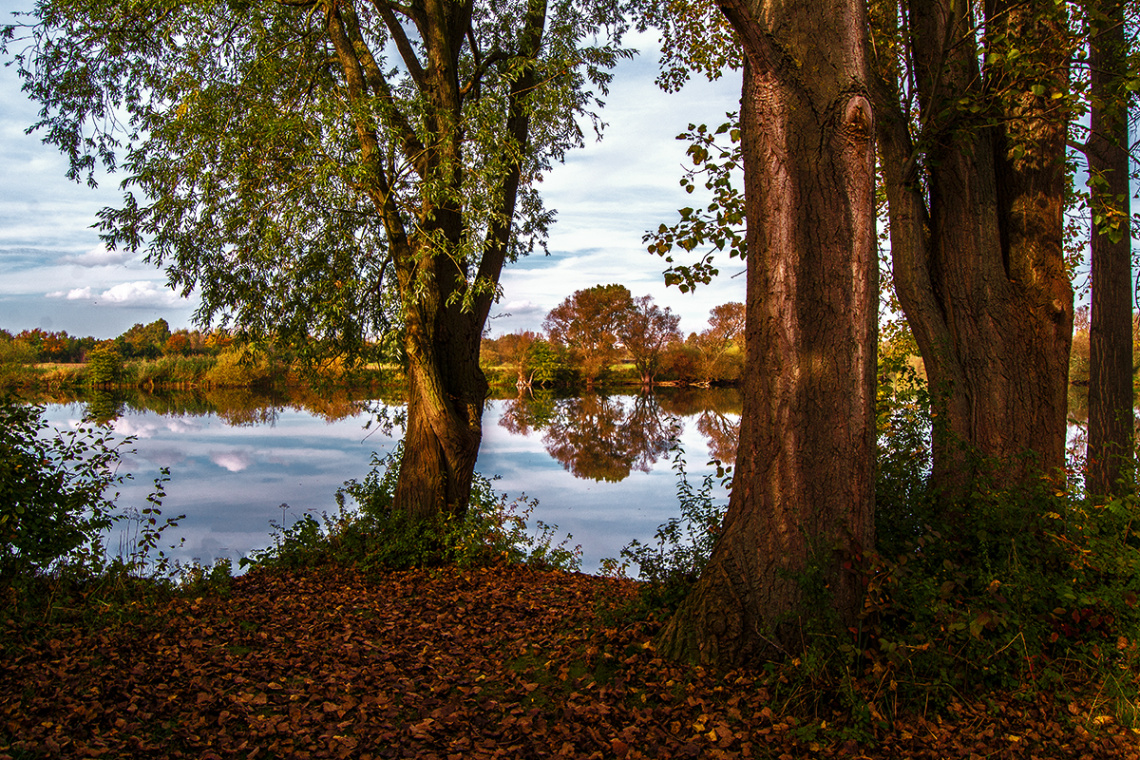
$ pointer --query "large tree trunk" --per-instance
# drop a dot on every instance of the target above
(446, 391)
(977, 246)
(802, 500)
(1111, 425)
(446, 387)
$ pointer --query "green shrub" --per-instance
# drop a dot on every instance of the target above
(17, 360)
(55, 507)
(104, 365)
(173, 369)
(683, 544)
(1007, 587)
(370, 534)
(903, 501)
(239, 367)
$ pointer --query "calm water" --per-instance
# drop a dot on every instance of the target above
(599, 466)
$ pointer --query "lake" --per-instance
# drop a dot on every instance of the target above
(600, 466)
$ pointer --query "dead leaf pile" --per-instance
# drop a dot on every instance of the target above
(499, 662)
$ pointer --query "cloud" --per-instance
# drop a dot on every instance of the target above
(523, 309)
(138, 293)
(99, 256)
(234, 461)
(75, 294)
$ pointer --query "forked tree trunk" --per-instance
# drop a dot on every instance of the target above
(1111, 425)
(802, 500)
(977, 244)
(443, 335)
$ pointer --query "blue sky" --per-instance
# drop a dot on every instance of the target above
(55, 274)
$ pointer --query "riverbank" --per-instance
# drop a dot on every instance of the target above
(495, 662)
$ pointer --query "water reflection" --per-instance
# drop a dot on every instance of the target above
(598, 465)
(237, 407)
(722, 433)
(604, 438)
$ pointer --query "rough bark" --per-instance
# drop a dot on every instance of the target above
(446, 393)
(802, 502)
(975, 206)
(1111, 425)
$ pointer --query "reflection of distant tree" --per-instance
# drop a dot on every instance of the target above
(103, 406)
(718, 416)
(242, 406)
(596, 437)
(686, 402)
(583, 436)
(722, 434)
(606, 438)
(330, 402)
(527, 412)
(649, 431)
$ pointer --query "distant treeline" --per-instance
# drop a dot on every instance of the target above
(604, 335)
(597, 336)
(150, 356)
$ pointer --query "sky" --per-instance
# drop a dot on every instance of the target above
(55, 273)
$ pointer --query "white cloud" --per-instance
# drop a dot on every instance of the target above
(136, 427)
(75, 294)
(138, 293)
(100, 256)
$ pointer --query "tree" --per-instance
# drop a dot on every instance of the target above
(725, 330)
(518, 351)
(332, 169)
(646, 330)
(104, 365)
(802, 495)
(178, 344)
(147, 341)
(587, 324)
(1111, 426)
(973, 167)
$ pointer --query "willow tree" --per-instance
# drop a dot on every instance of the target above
(331, 168)
(973, 109)
(802, 502)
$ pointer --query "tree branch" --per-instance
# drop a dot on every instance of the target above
(381, 194)
(518, 127)
(411, 145)
(403, 44)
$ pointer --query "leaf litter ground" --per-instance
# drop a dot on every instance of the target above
(487, 663)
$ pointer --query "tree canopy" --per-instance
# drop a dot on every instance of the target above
(290, 159)
(331, 169)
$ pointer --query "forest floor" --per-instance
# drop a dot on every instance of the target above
(501, 662)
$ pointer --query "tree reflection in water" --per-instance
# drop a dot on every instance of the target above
(718, 417)
(237, 407)
(595, 437)
(722, 434)
(605, 438)
(599, 438)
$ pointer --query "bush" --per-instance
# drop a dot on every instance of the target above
(173, 369)
(683, 544)
(239, 367)
(104, 365)
(54, 505)
(1008, 591)
(17, 359)
(1006, 588)
(372, 535)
